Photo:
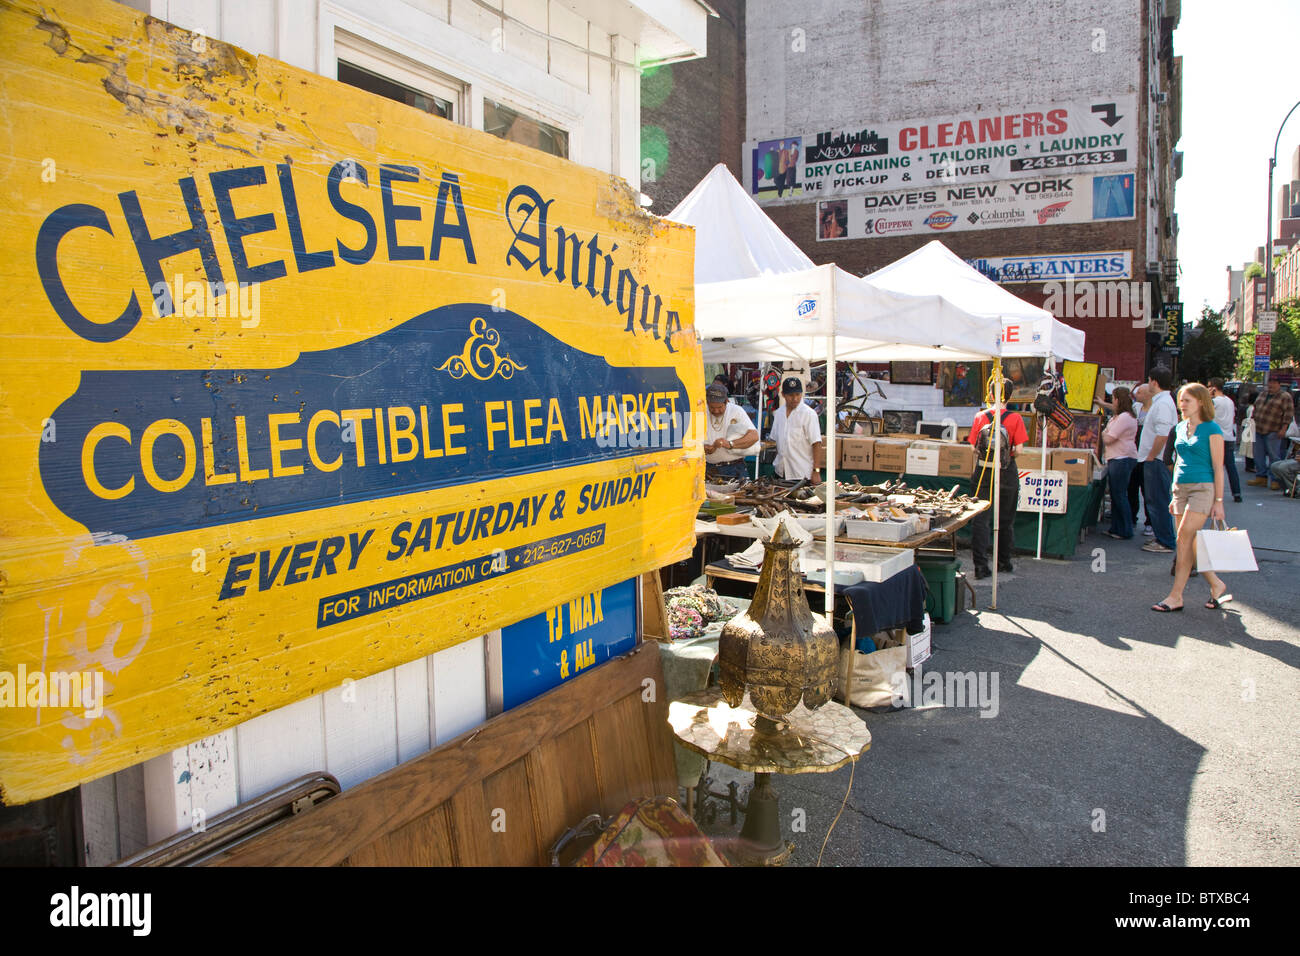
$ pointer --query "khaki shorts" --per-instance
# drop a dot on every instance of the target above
(1197, 496)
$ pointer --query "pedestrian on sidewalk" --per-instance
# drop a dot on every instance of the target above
(1225, 416)
(1141, 402)
(1013, 435)
(1197, 492)
(1286, 471)
(1121, 457)
(1160, 421)
(1274, 412)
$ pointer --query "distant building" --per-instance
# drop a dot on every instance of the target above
(1036, 141)
(1286, 277)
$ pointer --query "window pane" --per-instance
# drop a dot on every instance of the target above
(374, 83)
(510, 124)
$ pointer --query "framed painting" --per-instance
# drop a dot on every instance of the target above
(1080, 384)
(963, 382)
(911, 373)
(900, 420)
(1023, 376)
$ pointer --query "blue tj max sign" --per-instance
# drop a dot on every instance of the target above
(543, 651)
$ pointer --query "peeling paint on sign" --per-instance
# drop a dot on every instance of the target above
(306, 385)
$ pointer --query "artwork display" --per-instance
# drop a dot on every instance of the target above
(911, 373)
(963, 382)
(1080, 384)
(898, 420)
(1023, 376)
(1083, 432)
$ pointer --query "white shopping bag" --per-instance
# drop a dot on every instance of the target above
(1224, 550)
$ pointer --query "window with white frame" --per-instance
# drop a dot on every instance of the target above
(372, 68)
(501, 120)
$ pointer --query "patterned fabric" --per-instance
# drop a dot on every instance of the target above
(654, 831)
(1273, 413)
(692, 609)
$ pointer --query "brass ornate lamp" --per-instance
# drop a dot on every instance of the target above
(778, 650)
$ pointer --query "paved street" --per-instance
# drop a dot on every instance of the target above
(1179, 728)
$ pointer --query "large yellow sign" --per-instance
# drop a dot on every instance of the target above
(299, 384)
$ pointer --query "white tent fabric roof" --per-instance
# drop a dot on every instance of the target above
(1028, 330)
(734, 238)
(759, 298)
(788, 317)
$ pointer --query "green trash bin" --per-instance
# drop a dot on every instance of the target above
(941, 579)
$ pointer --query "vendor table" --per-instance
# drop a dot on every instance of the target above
(1061, 533)
(922, 540)
(817, 741)
(897, 601)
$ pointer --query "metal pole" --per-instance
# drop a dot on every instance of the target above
(830, 488)
(997, 472)
(1042, 438)
(760, 411)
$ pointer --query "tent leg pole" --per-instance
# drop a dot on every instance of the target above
(997, 475)
(830, 508)
(1042, 434)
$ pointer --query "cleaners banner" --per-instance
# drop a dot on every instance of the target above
(1046, 201)
(305, 385)
(1098, 135)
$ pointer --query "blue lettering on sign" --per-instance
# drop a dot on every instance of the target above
(374, 598)
(458, 394)
(806, 306)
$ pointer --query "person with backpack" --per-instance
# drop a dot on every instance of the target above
(1013, 435)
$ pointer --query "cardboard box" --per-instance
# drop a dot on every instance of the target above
(1077, 463)
(891, 454)
(923, 458)
(858, 453)
(819, 455)
(957, 460)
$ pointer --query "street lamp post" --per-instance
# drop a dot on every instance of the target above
(1268, 232)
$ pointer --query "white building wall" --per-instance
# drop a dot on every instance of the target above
(819, 62)
(541, 58)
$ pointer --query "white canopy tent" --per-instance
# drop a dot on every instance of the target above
(1027, 329)
(759, 298)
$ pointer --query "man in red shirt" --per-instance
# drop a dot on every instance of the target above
(981, 436)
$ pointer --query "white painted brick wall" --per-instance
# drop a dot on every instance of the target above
(911, 59)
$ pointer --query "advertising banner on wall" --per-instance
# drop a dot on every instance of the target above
(1054, 200)
(1098, 135)
(309, 384)
(1059, 267)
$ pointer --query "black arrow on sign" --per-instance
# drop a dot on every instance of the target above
(1107, 111)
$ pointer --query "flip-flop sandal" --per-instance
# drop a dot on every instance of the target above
(1218, 602)
(1164, 608)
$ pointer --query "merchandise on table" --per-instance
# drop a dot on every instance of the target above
(692, 609)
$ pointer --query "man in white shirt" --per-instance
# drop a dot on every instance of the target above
(797, 434)
(729, 432)
(1157, 482)
(1225, 416)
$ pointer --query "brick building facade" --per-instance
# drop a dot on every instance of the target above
(822, 65)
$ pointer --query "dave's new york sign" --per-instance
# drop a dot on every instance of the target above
(301, 385)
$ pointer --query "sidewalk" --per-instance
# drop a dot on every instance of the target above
(1121, 736)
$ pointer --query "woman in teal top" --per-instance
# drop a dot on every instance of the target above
(1198, 491)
